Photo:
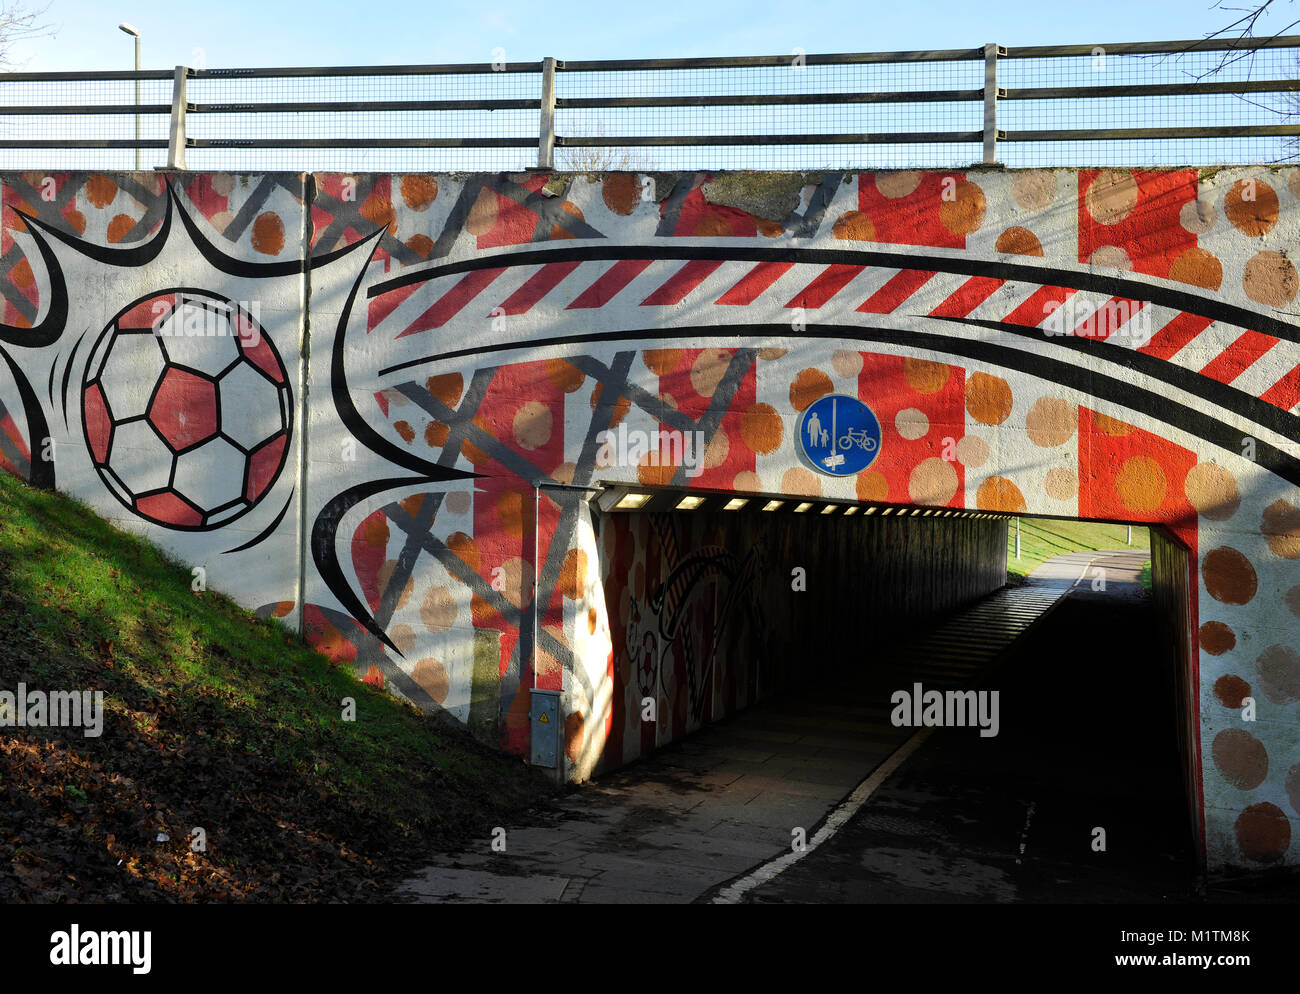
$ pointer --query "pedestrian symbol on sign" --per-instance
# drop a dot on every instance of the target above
(839, 435)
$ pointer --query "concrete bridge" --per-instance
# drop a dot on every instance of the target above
(642, 449)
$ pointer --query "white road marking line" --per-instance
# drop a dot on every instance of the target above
(1105, 555)
(1085, 572)
(834, 822)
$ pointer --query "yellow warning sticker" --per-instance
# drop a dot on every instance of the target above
(543, 719)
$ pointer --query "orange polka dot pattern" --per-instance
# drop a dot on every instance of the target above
(956, 432)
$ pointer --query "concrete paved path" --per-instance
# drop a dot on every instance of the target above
(730, 797)
(1012, 819)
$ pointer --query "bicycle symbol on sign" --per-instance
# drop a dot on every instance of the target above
(839, 435)
(859, 437)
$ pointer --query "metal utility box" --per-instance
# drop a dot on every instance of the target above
(545, 724)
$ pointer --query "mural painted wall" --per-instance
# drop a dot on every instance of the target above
(335, 393)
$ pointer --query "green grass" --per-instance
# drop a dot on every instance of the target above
(1042, 538)
(206, 690)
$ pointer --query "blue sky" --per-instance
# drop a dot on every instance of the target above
(268, 33)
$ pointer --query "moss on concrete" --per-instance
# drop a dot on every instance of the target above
(773, 196)
(557, 185)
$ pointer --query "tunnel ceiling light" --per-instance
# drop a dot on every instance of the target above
(851, 509)
(803, 507)
(689, 503)
(631, 502)
(735, 504)
(772, 505)
(829, 509)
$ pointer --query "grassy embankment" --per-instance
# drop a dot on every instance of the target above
(1042, 538)
(212, 719)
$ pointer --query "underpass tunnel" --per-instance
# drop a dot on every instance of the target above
(719, 602)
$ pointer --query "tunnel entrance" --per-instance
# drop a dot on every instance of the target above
(723, 604)
(717, 601)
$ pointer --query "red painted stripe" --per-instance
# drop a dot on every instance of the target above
(1033, 312)
(383, 306)
(1285, 393)
(681, 283)
(453, 301)
(825, 286)
(755, 282)
(9, 428)
(1108, 318)
(538, 286)
(608, 285)
(1169, 340)
(901, 285)
(1238, 357)
(967, 297)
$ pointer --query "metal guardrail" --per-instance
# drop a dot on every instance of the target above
(987, 109)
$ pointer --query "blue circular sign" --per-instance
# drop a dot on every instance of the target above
(839, 435)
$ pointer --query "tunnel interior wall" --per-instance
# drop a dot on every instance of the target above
(1172, 589)
(710, 613)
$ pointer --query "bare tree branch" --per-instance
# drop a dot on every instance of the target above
(17, 23)
(1246, 23)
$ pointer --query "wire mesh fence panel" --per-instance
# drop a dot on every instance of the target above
(1135, 104)
(370, 122)
(812, 157)
(799, 102)
(1124, 91)
(23, 100)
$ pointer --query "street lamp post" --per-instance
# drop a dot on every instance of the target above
(136, 35)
